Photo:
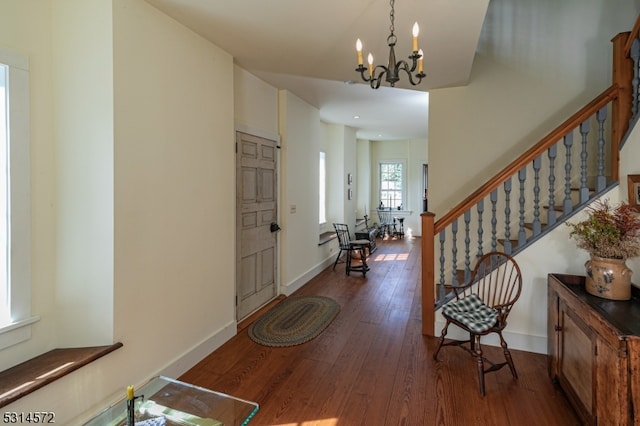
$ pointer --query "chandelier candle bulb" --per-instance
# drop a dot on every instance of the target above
(359, 49)
(420, 64)
(129, 392)
(370, 59)
(416, 31)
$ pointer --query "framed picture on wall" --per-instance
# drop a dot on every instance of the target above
(633, 182)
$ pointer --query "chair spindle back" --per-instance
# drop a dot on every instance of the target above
(498, 281)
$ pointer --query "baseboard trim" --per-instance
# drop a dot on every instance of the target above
(198, 352)
(297, 283)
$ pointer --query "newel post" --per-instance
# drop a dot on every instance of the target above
(428, 276)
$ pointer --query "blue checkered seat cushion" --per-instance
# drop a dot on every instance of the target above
(472, 312)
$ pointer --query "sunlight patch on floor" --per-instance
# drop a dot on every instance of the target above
(390, 257)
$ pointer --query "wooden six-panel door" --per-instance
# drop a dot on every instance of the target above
(256, 214)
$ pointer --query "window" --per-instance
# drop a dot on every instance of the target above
(15, 200)
(322, 190)
(391, 180)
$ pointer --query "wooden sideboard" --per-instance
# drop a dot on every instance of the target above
(594, 351)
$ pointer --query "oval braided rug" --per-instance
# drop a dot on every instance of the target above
(293, 321)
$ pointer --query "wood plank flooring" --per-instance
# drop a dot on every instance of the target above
(372, 365)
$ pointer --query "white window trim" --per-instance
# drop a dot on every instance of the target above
(18, 329)
(404, 179)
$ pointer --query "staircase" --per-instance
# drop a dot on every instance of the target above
(540, 190)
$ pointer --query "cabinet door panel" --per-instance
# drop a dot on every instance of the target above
(576, 362)
(553, 334)
(611, 384)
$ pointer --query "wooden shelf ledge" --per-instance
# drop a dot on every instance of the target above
(37, 372)
(325, 237)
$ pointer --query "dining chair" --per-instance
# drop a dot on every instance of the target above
(352, 249)
(481, 307)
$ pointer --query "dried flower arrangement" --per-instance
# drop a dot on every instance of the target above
(609, 232)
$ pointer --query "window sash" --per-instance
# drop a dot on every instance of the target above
(392, 184)
(16, 282)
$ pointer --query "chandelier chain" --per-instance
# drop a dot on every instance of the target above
(392, 16)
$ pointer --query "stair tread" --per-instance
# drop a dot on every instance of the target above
(529, 225)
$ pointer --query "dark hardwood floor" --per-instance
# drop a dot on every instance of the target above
(372, 365)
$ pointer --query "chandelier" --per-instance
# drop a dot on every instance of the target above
(391, 71)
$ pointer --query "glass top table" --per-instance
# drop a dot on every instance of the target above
(165, 401)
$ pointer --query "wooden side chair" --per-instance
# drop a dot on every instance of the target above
(353, 249)
(482, 306)
(368, 233)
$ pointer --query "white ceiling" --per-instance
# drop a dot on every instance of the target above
(308, 48)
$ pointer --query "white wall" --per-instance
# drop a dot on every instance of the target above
(174, 187)
(629, 165)
(336, 174)
(301, 130)
(363, 181)
(84, 132)
(255, 105)
(342, 162)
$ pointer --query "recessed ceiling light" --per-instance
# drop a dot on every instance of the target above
(356, 116)
(349, 82)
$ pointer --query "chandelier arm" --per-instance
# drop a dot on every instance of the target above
(383, 70)
(373, 80)
(419, 76)
(403, 65)
(361, 69)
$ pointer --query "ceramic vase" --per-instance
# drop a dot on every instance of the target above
(608, 278)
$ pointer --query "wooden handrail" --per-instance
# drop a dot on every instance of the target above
(528, 156)
(635, 32)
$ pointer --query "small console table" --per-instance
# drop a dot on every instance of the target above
(180, 404)
(594, 351)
